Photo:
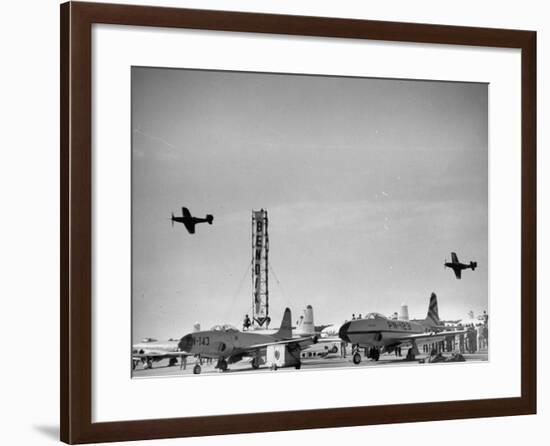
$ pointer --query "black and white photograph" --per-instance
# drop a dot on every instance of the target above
(306, 222)
(284, 222)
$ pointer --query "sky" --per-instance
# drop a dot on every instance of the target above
(369, 185)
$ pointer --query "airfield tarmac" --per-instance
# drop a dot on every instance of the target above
(162, 369)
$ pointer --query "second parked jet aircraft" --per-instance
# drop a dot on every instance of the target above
(379, 334)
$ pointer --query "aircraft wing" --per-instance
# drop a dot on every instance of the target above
(298, 342)
(454, 257)
(458, 272)
(189, 225)
(434, 336)
(185, 212)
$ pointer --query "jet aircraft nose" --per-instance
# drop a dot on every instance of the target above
(186, 343)
(343, 332)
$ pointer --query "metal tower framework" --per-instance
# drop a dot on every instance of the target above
(260, 251)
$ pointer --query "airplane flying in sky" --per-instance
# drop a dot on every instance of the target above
(189, 221)
(228, 345)
(379, 334)
(457, 267)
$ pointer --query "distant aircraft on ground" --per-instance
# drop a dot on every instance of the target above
(150, 350)
(228, 345)
(457, 267)
(379, 334)
(189, 221)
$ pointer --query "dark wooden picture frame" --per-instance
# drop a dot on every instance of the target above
(76, 221)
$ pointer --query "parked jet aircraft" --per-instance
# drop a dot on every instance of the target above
(189, 221)
(457, 267)
(379, 334)
(229, 345)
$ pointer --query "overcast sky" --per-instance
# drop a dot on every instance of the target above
(369, 185)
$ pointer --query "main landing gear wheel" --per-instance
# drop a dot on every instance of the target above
(255, 363)
(376, 355)
(274, 367)
(172, 362)
(356, 358)
(298, 366)
(196, 369)
(222, 365)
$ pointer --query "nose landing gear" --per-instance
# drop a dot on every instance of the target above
(372, 353)
(197, 368)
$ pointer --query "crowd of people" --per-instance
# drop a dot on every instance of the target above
(475, 339)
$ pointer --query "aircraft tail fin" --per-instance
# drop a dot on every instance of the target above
(306, 325)
(285, 331)
(209, 218)
(473, 265)
(432, 317)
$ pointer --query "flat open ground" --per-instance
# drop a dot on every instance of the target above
(161, 369)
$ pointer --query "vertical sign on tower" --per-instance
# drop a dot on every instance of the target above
(260, 249)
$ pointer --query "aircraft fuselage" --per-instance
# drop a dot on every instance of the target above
(460, 266)
(221, 344)
(379, 332)
(193, 220)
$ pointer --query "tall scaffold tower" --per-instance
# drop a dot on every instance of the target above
(260, 251)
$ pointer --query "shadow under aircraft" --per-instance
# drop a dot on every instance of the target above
(189, 221)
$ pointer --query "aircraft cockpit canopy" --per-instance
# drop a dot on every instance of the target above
(225, 327)
(375, 316)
